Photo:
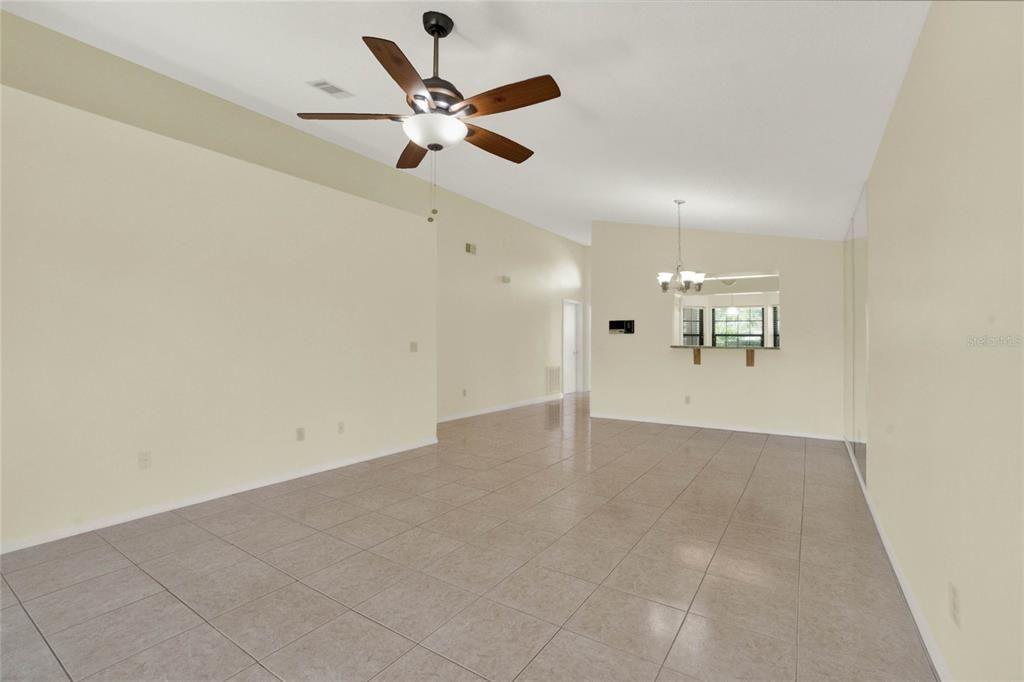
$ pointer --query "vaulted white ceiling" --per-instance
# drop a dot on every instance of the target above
(764, 116)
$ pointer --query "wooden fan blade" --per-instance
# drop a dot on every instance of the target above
(398, 67)
(351, 117)
(496, 144)
(509, 97)
(411, 156)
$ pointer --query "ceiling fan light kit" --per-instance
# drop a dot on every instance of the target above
(435, 131)
(439, 111)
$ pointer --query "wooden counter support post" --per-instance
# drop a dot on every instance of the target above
(750, 357)
(696, 356)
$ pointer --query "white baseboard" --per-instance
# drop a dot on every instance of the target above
(745, 428)
(500, 408)
(938, 662)
(178, 504)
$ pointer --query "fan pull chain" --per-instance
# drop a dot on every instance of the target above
(433, 187)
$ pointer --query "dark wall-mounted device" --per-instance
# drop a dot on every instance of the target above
(620, 326)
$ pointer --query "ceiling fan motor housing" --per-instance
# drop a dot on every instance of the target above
(437, 24)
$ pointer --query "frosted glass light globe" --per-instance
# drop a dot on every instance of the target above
(435, 131)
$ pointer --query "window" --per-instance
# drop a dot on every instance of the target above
(691, 326)
(775, 324)
(737, 327)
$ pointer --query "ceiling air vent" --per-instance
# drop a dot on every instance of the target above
(331, 89)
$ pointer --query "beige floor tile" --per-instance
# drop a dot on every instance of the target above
(211, 507)
(35, 581)
(590, 561)
(521, 542)
(227, 588)
(143, 526)
(331, 513)
(351, 647)
(158, 543)
(455, 493)
(475, 569)
(418, 484)
(756, 568)
(683, 550)
(859, 558)
(270, 535)
(422, 665)
(24, 655)
(492, 640)
(356, 579)
(309, 555)
(48, 551)
(199, 654)
(548, 518)
(96, 644)
(254, 673)
(845, 585)
(7, 597)
(577, 501)
(880, 641)
(669, 675)
(462, 524)
(543, 593)
(416, 606)
(377, 498)
(294, 502)
(233, 520)
(279, 618)
(86, 600)
(762, 539)
(715, 650)
(762, 609)
(814, 667)
(637, 626)
(681, 521)
(417, 548)
(571, 658)
(606, 531)
(182, 567)
(369, 530)
(416, 510)
(655, 579)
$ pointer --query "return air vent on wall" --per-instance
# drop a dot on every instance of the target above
(331, 89)
(554, 379)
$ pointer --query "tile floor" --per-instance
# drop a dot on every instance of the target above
(531, 544)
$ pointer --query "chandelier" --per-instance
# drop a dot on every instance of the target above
(681, 281)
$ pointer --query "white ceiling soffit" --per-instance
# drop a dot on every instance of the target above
(765, 116)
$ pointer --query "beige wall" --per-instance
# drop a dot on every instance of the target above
(944, 257)
(494, 340)
(795, 390)
(159, 297)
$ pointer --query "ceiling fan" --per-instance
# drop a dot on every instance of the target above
(439, 109)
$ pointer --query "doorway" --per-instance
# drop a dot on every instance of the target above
(572, 326)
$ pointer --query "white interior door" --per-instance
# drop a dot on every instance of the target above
(570, 346)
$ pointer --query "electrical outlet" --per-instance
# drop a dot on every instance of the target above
(954, 604)
(463, 393)
(300, 434)
(414, 347)
(341, 427)
(145, 460)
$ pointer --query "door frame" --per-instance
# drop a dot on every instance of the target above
(578, 321)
